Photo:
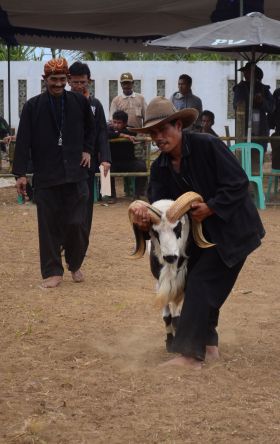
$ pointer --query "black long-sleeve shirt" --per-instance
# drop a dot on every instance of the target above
(102, 151)
(38, 136)
(210, 169)
(241, 94)
(4, 128)
(122, 151)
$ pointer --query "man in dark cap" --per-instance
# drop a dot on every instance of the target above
(201, 163)
(263, 102)
(57, 129)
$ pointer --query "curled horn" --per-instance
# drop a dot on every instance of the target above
(181, 206)
(155, 216)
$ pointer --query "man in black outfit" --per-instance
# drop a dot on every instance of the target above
(4, 133)
(123, 153)
(201, 163)
(274, 123)
(57, 128)
(79, 80)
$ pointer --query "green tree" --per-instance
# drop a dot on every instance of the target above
(141, 56)
(94, 55)
(174, 55)
(168, 55)
(18, 53)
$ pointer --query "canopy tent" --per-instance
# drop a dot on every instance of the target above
(104, 25)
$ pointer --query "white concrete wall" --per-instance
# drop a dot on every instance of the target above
(209, 82)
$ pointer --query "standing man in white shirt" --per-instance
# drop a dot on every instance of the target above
(132, 103)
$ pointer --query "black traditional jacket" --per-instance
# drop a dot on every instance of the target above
(38, 138)
(102, 151)
(209, 168)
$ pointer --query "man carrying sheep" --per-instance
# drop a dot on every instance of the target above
(203, 164)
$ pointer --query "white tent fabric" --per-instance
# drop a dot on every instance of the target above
(110, 25)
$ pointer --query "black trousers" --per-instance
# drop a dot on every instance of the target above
(61, 212)
(90, 202)
(209, 282)
(131, 166)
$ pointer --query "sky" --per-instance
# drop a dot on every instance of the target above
(47, 54)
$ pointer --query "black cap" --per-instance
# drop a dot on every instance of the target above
(258, 71)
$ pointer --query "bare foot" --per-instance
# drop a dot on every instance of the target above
(212, 353)
(77, 276)
(183, 361)
(51, 282)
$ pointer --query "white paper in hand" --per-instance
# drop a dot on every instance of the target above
(105, 182)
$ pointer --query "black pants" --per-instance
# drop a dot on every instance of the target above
(209, 282)
(131, 166)
(90, 202)
(61, 212)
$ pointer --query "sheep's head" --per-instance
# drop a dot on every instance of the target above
(168, 213)
(169, 238)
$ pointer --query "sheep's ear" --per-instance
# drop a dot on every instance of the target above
(140, 246)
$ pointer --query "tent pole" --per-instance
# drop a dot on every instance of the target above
(9, 84)
(235, 83)
(241, 8)
(251, 96)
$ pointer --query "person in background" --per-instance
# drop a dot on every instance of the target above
(207, 121)
(9, 139)
(194, 162)
(4, 134)
(274, 124)
(79, 80)
(29, 184)
(184, 98)
(263, 102)
(129, 101)
(123, 155)
(57, 130)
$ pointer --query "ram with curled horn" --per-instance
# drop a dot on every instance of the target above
(169, 236)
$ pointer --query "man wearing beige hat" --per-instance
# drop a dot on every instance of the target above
(132, 103)
(203, 164)
(57, 129)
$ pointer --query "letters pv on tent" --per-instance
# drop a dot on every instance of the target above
(227, 42)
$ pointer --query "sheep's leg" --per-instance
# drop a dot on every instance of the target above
(175, 312)
(166, 315)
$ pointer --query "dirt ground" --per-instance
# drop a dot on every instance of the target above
(79, 364)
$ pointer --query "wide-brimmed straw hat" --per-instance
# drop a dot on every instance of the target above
(160, 111)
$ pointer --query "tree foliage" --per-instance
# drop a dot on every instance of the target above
(37, 54)
(142, 56)
(21, 53)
